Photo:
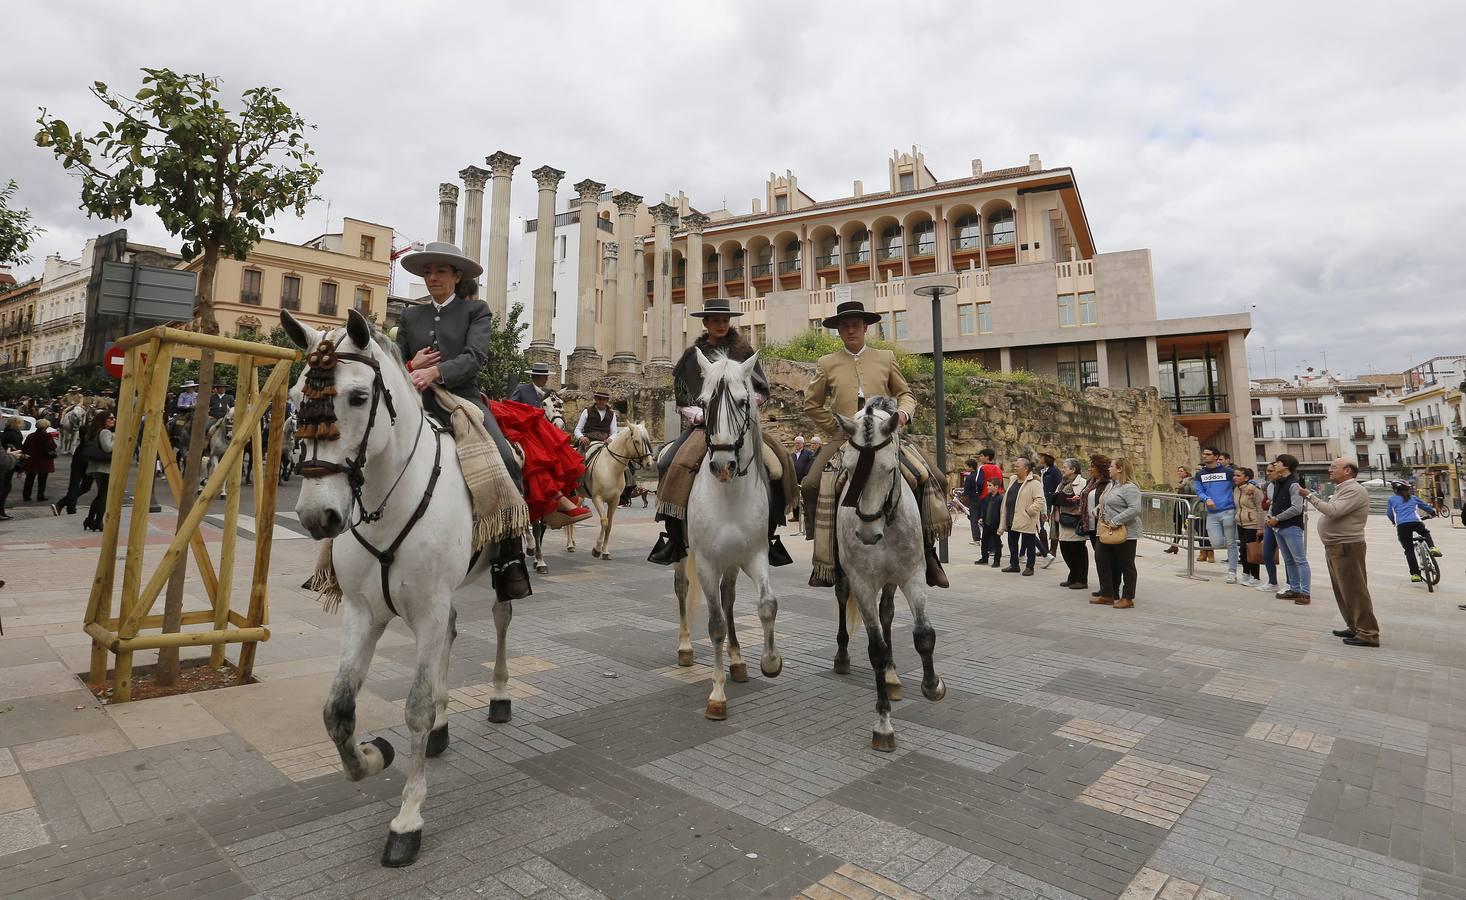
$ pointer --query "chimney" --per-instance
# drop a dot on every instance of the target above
(758, 206)
(1033, 163)
(976, 167)
(859, 188)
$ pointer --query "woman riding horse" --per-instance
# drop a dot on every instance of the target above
(552, 468)
(683, 457)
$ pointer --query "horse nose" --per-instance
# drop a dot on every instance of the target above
(872, 540)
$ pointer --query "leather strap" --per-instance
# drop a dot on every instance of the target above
(385, 558)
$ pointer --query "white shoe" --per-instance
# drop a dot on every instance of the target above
(1249, 581)
(1231, 578)
(1048, 561)
(1264, 586)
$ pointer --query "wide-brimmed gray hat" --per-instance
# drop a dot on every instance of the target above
(189, 384)
(851, 309)
(538, 368)
(717, 306)
(418, 261)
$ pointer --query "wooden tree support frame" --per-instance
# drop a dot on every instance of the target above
(141, 427)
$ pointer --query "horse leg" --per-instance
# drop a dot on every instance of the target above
(499, 708)
(680, 583)
(606, 528)
(842, 636)
(887, 615)
(438, 740)
(358, 642)
(709, 577)
(883, 736)
(570, 538)
(924, 636)
(770, 663)
(539, 549)
(737, 669)
(595, 503)
(404, 835)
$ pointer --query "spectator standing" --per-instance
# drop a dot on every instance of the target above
(1287, 507)
(1269, 535)
(1119, 508)
(1183, 510)
(802, 457)
(1341, 529)
(1248, 500)
(1023, 505)
(39, 452)
(1089, 505)
(1049, 473)
(969, 501)
(1214, 486)
(990, 508)
(11, 441)
(1066, 510)
(99, 465)
(1404, 512)
(78, 481)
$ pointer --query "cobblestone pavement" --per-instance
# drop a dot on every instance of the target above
(1213, 742)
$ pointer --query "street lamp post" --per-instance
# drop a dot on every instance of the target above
(937, 292)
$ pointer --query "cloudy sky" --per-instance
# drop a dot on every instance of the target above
(1289, 159)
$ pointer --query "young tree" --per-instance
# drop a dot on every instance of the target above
(16, 230)
(213, 177)
(505, 365)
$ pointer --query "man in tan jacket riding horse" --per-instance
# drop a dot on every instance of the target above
(846, 379)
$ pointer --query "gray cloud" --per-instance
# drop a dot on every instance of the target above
(1294, 157)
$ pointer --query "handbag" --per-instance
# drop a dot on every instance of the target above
(1112, 534)
(1254, 553)
(1069, 520)
(92, 452)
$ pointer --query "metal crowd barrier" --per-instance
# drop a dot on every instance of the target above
(1174, 520)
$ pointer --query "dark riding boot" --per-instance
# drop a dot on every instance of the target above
(671, 547)
(935, 576)
(508, 573)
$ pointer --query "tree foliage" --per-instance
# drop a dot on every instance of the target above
(16, 231)
(213, 176)
(506, 364)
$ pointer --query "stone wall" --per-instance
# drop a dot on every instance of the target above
(1014, 419)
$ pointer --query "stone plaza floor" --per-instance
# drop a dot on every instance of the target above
(1212, 742)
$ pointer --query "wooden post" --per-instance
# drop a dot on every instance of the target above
(246, 377)
(259, 594)
(196, 540)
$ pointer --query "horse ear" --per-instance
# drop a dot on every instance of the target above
(846, 424)
(889, 426)
(702, 361)
(300, 334)
(358, 329)
(745, 368)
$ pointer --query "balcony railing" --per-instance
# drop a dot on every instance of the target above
(1393, 434)
(1308, 412)
(1000, 238)
(832, 261)
(733, 274)
(926, 248)
(788, 265)
(885, 254)
(679, 281)
(761, 270)
(1259, 414)
(966, 242)
(710, 277)
(1420, 423)
(1197, 404)
(857, 256)
(249, 299)
(1362, 434)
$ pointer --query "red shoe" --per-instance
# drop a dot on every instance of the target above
(578, 514)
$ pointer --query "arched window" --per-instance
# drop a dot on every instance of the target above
(968, 232)
(924, 238)
(1000, 228)
(891, 242)
(790, 262)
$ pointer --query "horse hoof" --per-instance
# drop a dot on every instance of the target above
(438, 740)
(842, 665)
(569, 549)
(541, 569)
(771, 671)
(605, 554)
(934, 692)
(384, 747)
(717, 710)
(401, 849)
(886, 743)
(893, 690)
(595, 554)
(684, 657)
(499, 711)
(738, 672)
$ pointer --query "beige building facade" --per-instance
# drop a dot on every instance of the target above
(17, 318)
(318, 281)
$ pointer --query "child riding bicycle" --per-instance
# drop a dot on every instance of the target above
(1404, 511)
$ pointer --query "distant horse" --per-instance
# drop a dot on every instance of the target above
(73, 420)
(216, 440)
(605, 477)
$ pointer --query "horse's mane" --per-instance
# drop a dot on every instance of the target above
(869, 423)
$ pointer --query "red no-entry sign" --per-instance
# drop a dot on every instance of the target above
(112, 360)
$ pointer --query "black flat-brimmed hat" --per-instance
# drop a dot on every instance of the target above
(718, 306)
(851, 309)
(538, 368)
(433, 252)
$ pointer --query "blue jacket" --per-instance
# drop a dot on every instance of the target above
(1215, 484)
(1402, 511)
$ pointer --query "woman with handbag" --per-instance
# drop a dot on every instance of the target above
(1089, 503)
(1071, 535)
(1249, 516)
(40, 460)
(98, 455)
(1119, 533)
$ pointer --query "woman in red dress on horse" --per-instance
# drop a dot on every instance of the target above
(552, 468)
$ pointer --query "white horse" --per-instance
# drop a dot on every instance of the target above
(605, 478)
(395, 484)
(73, 420)
(878, 536)
(216, 443)
(728, 520)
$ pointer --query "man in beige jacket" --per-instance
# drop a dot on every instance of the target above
(1341, 529)
(1023, 505)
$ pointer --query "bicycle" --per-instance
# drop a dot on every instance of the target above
(1430, 570)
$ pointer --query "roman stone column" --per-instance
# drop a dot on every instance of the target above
(659, 353)
(448, 212)
(501, 166)
(643, 314)
(542, 344)
(694, 223)
(474, 180)
(628, 311)
(585, 363)
(610, 286)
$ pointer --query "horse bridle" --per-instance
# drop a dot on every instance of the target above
(743, 427)
(864, 463)
(636, 444)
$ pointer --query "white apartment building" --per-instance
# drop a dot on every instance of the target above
(1434, 423)
(1317, 418)
(61, 311)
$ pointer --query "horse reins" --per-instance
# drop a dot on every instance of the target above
(322, 361)
(863, 465)
(743, 427)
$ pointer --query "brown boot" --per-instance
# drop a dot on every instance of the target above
(1302, 599)
(1173, 549)
(1122, 603)
(1102, 600)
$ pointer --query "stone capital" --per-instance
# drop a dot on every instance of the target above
(639, 243)
(627, 203)
(547, 177)
(663, 213)
(447, 192)
(502, 164)
(694, 222)
(589, 191)
(610, 249)
(474, 178)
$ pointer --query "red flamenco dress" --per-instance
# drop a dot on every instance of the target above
(551, 465)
